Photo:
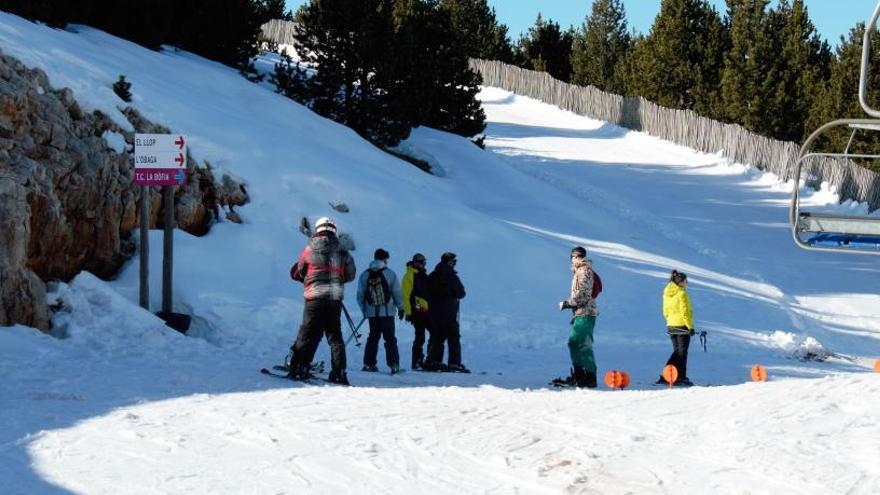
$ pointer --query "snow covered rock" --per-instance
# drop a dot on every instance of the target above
(67, 202)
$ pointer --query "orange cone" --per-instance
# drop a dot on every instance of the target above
(616, 379)
(877, 366)
(670, 374)
(759, 373)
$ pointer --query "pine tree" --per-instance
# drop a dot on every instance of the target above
(53, 13)
(803, 63)
(435, 82)
(679, 63)
(600, 47)
(290, 79)
(839, 97)
(348, 42)
(752, 69)
(546, 48)
(627, 69)
(478, 30)
(268, 10)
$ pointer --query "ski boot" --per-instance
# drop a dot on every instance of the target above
(568, 381)
(439, 367)
(299, 372)
(457, 368)
(338, 377)
(370, 368)
(584, 378)
(683, 382)
(591, 381)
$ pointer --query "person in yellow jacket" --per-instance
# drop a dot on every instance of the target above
(679, 324)
(415, 305)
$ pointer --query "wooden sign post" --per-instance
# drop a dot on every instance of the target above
(160, 160)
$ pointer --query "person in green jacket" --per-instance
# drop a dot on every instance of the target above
(584, 313)
(679, 324)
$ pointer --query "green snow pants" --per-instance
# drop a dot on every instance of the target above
(580, 343)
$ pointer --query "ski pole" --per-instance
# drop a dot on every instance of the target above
(351, 325)
(356, 332)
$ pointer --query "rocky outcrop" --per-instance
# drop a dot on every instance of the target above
(67, 202)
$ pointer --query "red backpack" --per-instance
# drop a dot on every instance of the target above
(597, 285)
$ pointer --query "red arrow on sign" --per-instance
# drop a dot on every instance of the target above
(179, 142)
(179, 159)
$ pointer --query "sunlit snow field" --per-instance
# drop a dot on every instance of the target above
(124, 405)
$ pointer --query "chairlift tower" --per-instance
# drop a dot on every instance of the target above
(840, 233)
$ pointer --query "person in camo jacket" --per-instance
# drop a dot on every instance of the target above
(583, 306)
(324, 266)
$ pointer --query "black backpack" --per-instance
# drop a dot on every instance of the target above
(378, 293)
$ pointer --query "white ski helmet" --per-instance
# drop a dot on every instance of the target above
(324, 224)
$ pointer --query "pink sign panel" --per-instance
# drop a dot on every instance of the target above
(160, 177)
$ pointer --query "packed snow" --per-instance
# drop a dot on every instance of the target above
(116, 402)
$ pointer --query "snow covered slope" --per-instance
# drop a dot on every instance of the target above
(124, 404)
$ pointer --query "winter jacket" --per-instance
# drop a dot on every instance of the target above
(415, 290)
(323, 267)
(396, 296)
(581, 300)
(677, 307)
(444, 291)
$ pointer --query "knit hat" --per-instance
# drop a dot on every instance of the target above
(678, 277)
(579, 251)
(325, 224)
(381, 254)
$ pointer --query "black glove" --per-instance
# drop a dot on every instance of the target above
(399, 314)
(408, 318)
(563, 305)
(692, 332)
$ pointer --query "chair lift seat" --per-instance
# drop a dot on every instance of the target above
(839, 224)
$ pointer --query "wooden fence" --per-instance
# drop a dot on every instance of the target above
(278, 31)
(686, 128)
(682, 127)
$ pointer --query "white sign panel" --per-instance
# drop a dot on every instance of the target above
(159, 142)
(159, 151)
(159, 159)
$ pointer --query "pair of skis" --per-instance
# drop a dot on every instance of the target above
(285, 376)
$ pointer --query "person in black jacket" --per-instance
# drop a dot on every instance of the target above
(444, 290)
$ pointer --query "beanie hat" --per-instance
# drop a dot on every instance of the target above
(419, 258)
(579, 251)
(381, 254)
(678, 276)
(447, 256)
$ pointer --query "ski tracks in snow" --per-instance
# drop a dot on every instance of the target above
(452, 440)
(599, 200)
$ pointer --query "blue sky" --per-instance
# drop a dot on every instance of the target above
(832, 18)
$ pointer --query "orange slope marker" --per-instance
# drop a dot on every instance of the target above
(670, 374)
(616, 379)
(759, 373)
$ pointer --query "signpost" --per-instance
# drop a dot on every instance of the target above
(160, 160)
